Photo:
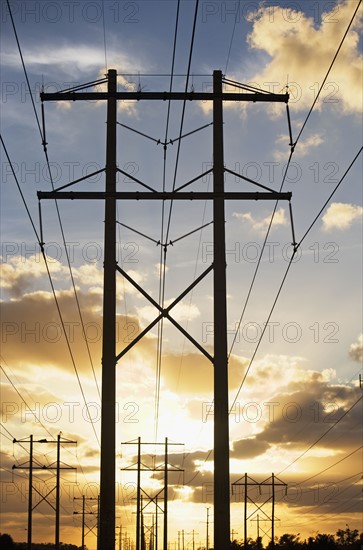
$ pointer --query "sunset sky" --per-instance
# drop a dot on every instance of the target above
(304, 376)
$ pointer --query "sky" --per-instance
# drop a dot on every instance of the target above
(293, 376)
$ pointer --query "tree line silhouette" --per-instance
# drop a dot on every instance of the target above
(344, 539)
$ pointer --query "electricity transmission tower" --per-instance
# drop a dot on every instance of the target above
(110, 357)
(140, 466)
(84, 513)
(54, 466)
(272, 481)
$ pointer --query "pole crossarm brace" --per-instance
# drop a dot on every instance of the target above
(164, 195)
(272, 481)
(164, 312)
(164, 96)
(139, 466)
(44, 498)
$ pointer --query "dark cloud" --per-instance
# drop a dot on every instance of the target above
(33, 334)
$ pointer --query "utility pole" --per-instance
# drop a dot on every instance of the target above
(221, 424)
(56, 488)
(30, 502)
(272, 482)
(166, 482)
(140, 491)
(84, 499)
(119, 537)
(220, 358)
(207, 534)
(245, 514)
(273, 512)
(258, 525)
(106, 539)
(138, 495)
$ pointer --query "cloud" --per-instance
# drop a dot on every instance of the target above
(305, 146)
(181, 312)
(356, 350)
(340, 215)
(34, 335)
(72, 59)
(262, 225)
(300, 52)
(19, 274)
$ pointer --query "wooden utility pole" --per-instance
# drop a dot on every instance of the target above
(109, 356)
(106, 538)
(221, 425)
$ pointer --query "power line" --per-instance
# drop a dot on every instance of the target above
(104, 33)
(231, 42)
(321, 437)
(162, 266)
(259, 259)
(265, 327)
(296, 247)
(332, 465)
(293, 145)
(44, 143)
(327, 74)
(39, 420)
(330, 196)
(25, 71)
(22, 398)
(164, 252)
(41, 245)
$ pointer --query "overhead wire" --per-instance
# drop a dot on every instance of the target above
(293, 145)
(271, 220)
(328, 71)
(104, 32)
(232, 36)
(25, 403)
(44, 144)
(37, 417)
(332, 465)
(164, 251)
(296, 247)
(162, 261)
(162, 265)
(41, 245)
(321, 437)
(329, 514)
(41, 467)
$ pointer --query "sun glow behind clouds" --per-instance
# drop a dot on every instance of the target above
(294, 390)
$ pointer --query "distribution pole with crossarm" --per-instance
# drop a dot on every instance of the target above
(110, 357)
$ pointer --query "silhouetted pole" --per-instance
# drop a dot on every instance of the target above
(165, 534)
(207, 535)
(57, 495)
(245, 516)
(156, 523)
(273, 512)
(138, 495)
(106, 539)
(221, 427)
(30, 501)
